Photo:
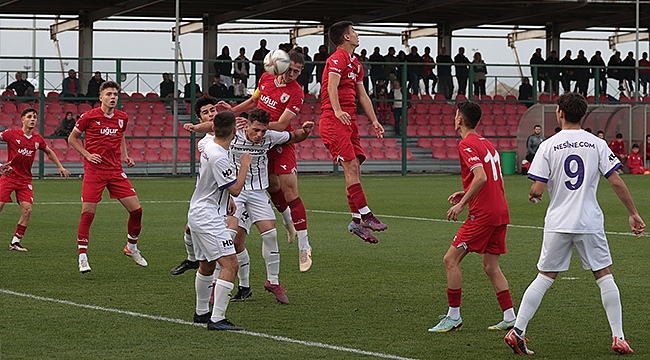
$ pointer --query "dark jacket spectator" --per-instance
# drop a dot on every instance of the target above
(71, 85)
(537, 65)
(552, 71)
(217, 89)
(224, 66)
(66, 125)
(376, 68)
(187, 91)
(461, 65)
(305, 76)
(21, 86)
(319, 58)
(598, 67)
(258, 59)
(93, 85)
(166, 86)
(581, 73)
(525, 92)
(415, 70)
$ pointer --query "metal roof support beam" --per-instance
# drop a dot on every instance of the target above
(417, 33)
(297, 32)
(265, 8)
(7, 2)
(85, 51)
(120, 8)
(58, 28)
(210, 39)
(623, 38)
(525, 35)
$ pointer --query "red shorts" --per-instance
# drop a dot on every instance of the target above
(481, 239)
(341, 140)
(116, 182)
(23, 189)
(282, 159)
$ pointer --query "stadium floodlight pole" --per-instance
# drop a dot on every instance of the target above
(176, 48)
(636, 56)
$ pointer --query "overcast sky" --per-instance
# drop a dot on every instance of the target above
(134, 45)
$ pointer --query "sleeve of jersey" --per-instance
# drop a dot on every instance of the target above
(360, 75)
(469, 155)
(224, 172)
(82, 124)
(539, 169)
(279, 137)
(607, 161)
(42, 144)
(3, 136)
(334, 66)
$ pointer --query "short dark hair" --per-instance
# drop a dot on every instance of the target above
(537, 126)
(260, 115)
(108, 84)
(223, 124)
(619, 136)
(573, 105)
(27, 111)
(635, 146)
(297, 57)
(203, 101)
(471, 113)
(600, 132)
(337, 30)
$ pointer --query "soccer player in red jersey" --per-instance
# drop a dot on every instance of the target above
(22, 145)
(618, 148)
(282, 96)
(342, 84)
(104, 151)
(484, 231)
(635, 161)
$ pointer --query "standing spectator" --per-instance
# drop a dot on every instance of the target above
(363, 58)
(166, 86)
(258, 60)
(581, 73)
(66, 126)
(614, 71)
(533, 141)
(635, 162)
(536, 64)
(461, 64)
(618, 148)
(71, 85)
(480, 71)
(628, 73)
(224, 66)
(647, 147)
(566, 71)
(319, 58)
(382, 105)
(525, 92)
(445, 83)
(305, 76)
(414, 70)
(376, 68)
(218, 90)
(428, 71)
(390, 68)
(598, 67)
(396, 96)
(242, 66)
(552, 70)
(644, 73)
(94, 84)
(21, 87)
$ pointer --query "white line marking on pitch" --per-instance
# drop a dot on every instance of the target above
(183, 322)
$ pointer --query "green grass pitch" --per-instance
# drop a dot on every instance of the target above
(375, 298)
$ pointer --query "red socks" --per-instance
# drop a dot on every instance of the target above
(454, 296)
(134, 225)
(298, 214)
(83, 231)
(20, 231)
(505, 300)
(356, 196)
(279, 201)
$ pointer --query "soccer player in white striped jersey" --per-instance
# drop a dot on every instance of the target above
(209, 206)
(570, 164)
(253, 205)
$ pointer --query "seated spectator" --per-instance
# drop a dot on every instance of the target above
(601, 135)
(187, 91)
(66, 126)
(635, 162)
(238, 88)
(647, 147)
(166, 87)
(526, 92)
(21, 86)
(618, 148)
(382, 105)
(93, 85)
(71, 85)
(218, 90)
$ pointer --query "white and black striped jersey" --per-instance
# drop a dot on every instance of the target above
(258, 173)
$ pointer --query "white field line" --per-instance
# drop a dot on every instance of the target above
(320, 212)
(184, 322)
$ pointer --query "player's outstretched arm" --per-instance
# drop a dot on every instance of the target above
(366, 105)
(249, 104)
(477, 183)
(205, 127)
(285, 119)
(75, 142)
(618, 185)
(245, 161)
(302, 134)
(536, 191)
(55, 159)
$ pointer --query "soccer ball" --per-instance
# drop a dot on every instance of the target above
(276, 62)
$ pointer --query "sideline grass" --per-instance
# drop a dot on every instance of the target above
(379, 298)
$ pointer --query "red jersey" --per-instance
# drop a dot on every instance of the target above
(647, 150)
(350, 70)
(635, 161)
(275, 97)
(22, 150)
(489, 206)
(617, 147)
(104, 137)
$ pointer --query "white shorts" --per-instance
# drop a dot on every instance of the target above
(212, 246)
(253, 206)
(557, 248)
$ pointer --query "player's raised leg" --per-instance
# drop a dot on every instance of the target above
(280, 202)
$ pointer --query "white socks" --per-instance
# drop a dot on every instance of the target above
(221, 290)
(203, 287)
(611, 299)
(286, 216)
(187, 238)
(454, 313)
(531, 300)
(244, 268)
(271, 255)
(303, 240)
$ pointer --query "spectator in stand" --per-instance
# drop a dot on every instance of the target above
(635, 162)
(218, 90)
(566, 71)
(66, 126)
(93, 86)
(618, 148)
(376, 68)
(536, 65)
(581, 73)
(166, 86)
(414, 70)
(525, 92)
(363, 58)
(480, 71)
(319, 58)
(382, 105)
(71, 85)
(242, 67)
(533, 141)
(461, 64)
(390, 69)
(445, 83)
(628, 73)
(258, 59)
(598, 67)
(286, 47)
(238, 88)
(305, 76)
(187, 92)
(21, 86)
(224, 66)
(601, 135)
(647, 147)
(644, 73)
(428, 71)
(616, 73)
(552, 71)
(396, 96)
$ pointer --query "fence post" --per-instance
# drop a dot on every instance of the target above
(405, 104)
(41, 112)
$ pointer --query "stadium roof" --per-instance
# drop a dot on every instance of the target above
(567, 15)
